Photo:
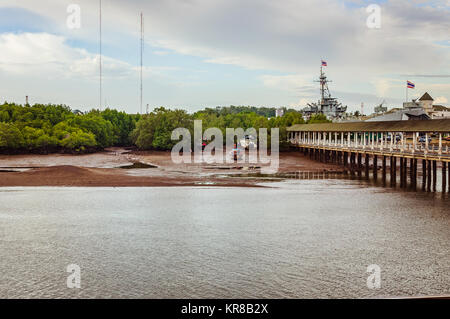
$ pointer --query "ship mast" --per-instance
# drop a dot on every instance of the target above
(324, 91)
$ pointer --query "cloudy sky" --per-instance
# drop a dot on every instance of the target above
(221, 52)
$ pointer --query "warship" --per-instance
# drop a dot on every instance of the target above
(326, 105)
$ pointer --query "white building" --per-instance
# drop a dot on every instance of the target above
(279, 112)
(440, 112)
(425, 103)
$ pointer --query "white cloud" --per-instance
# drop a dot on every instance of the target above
(382, 86)
(300, 104)
(43, 53)
(289, 36)
(44, 67)
(440, 100)
(292, 83)
(160, 52)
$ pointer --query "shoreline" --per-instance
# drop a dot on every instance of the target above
(103, 169)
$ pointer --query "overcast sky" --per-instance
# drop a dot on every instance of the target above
(220, 52)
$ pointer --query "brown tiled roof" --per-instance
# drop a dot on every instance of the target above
(440, 108)
(426, 97)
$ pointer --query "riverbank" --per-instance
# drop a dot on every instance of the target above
(106, 169)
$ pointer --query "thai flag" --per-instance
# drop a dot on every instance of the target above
(324, 63)
(410, 85)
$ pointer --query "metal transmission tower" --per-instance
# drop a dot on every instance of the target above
(142, 53)
(100, 50)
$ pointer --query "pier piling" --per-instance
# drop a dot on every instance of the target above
(444, 177)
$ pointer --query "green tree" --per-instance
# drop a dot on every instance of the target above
(154, 130)
(318, 118)
(10, 136)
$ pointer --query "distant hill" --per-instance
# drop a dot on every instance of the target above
(263, 111)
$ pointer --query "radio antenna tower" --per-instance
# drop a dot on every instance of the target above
(100, 50)
(142, 53)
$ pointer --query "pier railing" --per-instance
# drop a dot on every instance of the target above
(409, 145)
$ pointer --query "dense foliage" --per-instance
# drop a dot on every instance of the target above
(49, 128)
(263, 111)
(55, 128)
(154, 130)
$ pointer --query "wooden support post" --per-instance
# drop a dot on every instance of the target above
(359, 164)
(448, 177)
(394, 171)
(375, 166)
(402, 173)
(384, 168)
(352, 163)
(444, 177)
(405, 173)
(434, 175)
(424, 174)
(367, 165)
(429, 176)
(391, 164)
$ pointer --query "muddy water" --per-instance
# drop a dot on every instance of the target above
(302, 238)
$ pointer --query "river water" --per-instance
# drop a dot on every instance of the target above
(298, 239)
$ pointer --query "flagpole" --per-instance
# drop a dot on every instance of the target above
(406, 91)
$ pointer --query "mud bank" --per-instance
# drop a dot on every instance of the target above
(105, 169)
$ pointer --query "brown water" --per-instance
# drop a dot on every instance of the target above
(304, 238)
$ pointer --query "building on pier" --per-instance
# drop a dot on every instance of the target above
(436, 128)
(359, 145)
(440, 112)
(401, 115)
(417, 109)
(421, 138)
(426, 104)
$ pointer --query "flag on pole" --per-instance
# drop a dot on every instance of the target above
(324, 63)
(410, 85)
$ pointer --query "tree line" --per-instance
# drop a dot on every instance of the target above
(55, 128)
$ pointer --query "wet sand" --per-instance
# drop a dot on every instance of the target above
(103, 170)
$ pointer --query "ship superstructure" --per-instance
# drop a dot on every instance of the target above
(326, 105)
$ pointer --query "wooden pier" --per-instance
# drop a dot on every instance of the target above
(359, 146)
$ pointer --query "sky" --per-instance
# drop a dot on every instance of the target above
(207, 53)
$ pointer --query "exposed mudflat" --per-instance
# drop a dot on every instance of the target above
(144, 168)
